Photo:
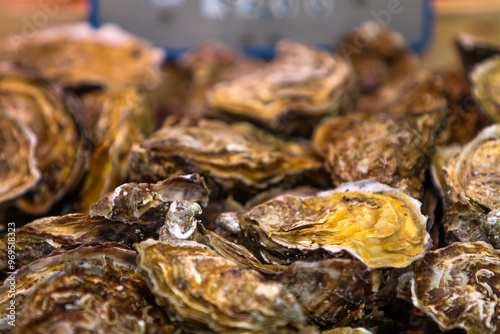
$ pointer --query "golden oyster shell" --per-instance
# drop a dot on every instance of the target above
(44, 110)
(118, 119)
(229, 157)
(457, 286)
(485, 88)
(206, 292)
(377, 224)
(300, 86)
(473, 175)
(80, 55)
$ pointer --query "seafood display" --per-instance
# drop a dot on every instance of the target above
(342, 190)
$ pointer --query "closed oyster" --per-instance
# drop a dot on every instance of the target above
(388, 148)
(485, 77)
(473, 175)
(377, 224)
(205, 292)
(87, 289)
(474, 50)
(46, 124)
(118, 120)
(458, 287)
(298, 88)
(79, 55)
(229, 157)
(378, 54)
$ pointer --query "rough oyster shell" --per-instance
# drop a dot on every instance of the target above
(379, 225)
(457, 286)
(473, 175)
(300, 86)
(377, 53)
(80, 55)
(229, 157)
(87, 275)
(43, 109)
(473, 49)
(118, 120)
(485, 77)
(206, 292)
(388, 148)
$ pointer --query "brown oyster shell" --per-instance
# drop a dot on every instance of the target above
(42, 107)
(474, 50)
(92, 285)
(300, 86)
(457, 286)
(229, 157)
(472, 176)
(377, 224)
(80, 55)
(206, 292)
(377, 53)
(388, 148)
(485, 77)
(118, 120)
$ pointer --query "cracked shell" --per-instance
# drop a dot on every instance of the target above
(299, 87)
(379, 225)
(458, 287)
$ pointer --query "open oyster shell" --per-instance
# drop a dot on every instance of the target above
(206, 292)
(458, 287)
(80, 55)
(473, 175)
(117, 119)
(299, 87)
(230, 157)
(52, 154)
(377, 224)
(84, 289)
(485, 77)
(388, 148)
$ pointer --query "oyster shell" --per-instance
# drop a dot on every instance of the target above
(206, 292)
(377, 53)
(229, 157)
(377, 224)
(388, 148)
(80, 55)
(47, 115)
(485, 77)
(474, 50)
(118, 120)
(457, 286)
(347, 330)
(299, 87)
(473, 175)
(90, 288)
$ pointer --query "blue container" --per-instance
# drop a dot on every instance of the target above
(256, 25)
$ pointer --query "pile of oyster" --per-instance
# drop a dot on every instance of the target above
(324, 191)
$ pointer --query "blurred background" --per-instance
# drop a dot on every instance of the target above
(477, 17)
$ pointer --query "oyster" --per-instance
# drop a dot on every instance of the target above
(473, 175)
(229, 157)
(206, 292)
(118, 119)
(388, 148)
(347, 330)
(90, 288)
(474, 50)
(485, 90)
(378, 54)
(79, 55)
(298, 88)
(44, 115)
(377, 224)
(457, 286)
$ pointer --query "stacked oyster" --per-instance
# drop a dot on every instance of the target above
(321, 192)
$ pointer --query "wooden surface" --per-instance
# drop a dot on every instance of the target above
(478, 17)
